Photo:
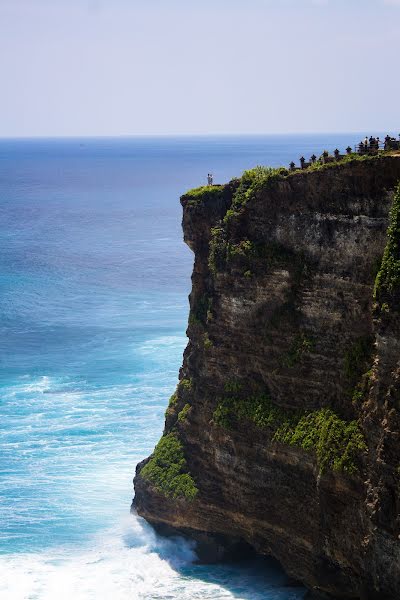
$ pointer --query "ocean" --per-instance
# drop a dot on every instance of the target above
(93, 311)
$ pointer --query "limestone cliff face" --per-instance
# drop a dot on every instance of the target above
(286, 421)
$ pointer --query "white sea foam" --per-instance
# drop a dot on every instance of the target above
(109, 570)
(93, 310)
(71, 450)
(130, 564)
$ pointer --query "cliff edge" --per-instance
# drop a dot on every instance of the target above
(283, 433)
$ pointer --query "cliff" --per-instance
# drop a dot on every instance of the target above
(283, 434)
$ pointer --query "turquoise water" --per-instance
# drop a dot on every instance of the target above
(94, 281)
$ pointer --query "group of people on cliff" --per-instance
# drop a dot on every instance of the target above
(369, 144)
(373, 144)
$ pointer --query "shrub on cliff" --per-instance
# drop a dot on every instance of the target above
(254, 181)
(171, 405)
(184, 413)
(356, 360)
(387, 283)
(167, 469)
(218, 250)
(336, 442)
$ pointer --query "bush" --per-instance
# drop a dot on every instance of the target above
(217, 250)
(200, 310)
(171, 404)
(183, 413)
(232, 386)
(387, 282)
(207, 342)
(357, 357)
(336, 442)
(230, 215)
(186, 384)
(301, 345)
(167, 470)
(254, 181)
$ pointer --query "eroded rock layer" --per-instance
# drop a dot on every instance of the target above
(284, 430)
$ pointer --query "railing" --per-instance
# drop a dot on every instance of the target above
(377, 146)
(371, 146)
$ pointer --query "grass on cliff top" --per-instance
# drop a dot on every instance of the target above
(167, 469)
(204, 192)
(259, 178)
(337, 443)
(254, 181)
(387, 282)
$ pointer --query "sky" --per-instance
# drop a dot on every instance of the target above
(161, 67)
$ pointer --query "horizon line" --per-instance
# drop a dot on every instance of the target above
(183, 135)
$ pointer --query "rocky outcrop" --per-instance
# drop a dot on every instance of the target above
(283, 434)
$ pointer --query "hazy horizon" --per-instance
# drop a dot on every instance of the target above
(197, 135)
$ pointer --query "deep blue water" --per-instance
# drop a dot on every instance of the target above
(94, 281)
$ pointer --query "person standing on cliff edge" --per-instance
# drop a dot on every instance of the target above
(210, 179)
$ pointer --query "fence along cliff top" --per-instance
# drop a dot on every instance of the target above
(370, 146)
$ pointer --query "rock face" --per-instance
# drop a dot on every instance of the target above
(287, 412)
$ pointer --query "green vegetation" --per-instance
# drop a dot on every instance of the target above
(348, 158)
(230, 215)
(242, 248)
(186, 384)
(232, 386)
(217, 253)
(301, 345)
(200, 310)
(203, 193)
(358, 396)
(387, 282)
(259, 179)
(357, 357)
(171, 404)
(337, 443)
(385, 307)
(183, 413)
(167, 469)
(207, 342)
(193, 320)
(249, 255)
(259, 409)
(222, 249)
(360, 391)
(253, 182)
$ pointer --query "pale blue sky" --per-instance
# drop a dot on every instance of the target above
(127, 67)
